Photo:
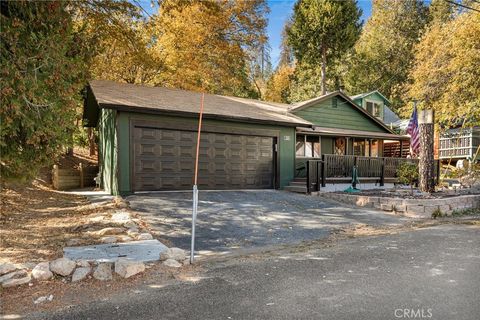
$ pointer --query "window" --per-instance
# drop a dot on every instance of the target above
(300, 147)
(340, 146)
(374, 148)
(359, 147)
(308, 146)
(374, 108)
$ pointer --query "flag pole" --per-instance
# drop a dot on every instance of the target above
(195, 188)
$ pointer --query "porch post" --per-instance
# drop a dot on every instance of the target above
(305, 145)
(347, 140)
(382, 177)
(354, 182)
(309, 182)
(323, 170)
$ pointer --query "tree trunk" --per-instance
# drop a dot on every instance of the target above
(426, 165)
(91, 141)
(324, 67)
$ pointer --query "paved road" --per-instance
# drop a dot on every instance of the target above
(244, 219)
(433, 269)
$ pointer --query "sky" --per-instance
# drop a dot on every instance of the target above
(280, 12)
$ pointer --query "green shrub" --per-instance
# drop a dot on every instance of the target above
(407, 173)
(437, 214)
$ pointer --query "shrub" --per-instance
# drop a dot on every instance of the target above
(407, 173)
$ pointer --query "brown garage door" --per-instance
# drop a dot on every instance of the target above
(164, 160)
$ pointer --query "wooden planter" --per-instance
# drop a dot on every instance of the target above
(65, 179)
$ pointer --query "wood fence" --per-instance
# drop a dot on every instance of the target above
(340, 167)
(65, 179)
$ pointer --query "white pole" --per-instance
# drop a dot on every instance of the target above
(194, 219)
(195, 189)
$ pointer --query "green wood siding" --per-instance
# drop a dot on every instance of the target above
(286, 149)
(327, 145)
(108, 150)
(344, 116)
(373, 97)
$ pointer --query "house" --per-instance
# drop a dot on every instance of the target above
(459, 144)
(379, 106)
(147, 137)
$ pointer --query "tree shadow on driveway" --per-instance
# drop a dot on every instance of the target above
(229, 220)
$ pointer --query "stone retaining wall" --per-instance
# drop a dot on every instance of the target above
(416, 208)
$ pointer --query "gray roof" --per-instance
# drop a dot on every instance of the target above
(138, 98)
(389, 116)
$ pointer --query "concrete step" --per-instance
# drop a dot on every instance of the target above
(298, 183)
(297, 189)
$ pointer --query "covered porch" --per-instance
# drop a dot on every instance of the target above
(325, 156)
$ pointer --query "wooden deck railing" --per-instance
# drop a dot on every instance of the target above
(330, 166)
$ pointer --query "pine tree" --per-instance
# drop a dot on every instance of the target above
(322, 31)
(384, 53)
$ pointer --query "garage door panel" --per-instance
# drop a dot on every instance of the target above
(164, 160)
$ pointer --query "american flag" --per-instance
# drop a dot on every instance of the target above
(414, 133)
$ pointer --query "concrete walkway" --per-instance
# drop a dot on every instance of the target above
(229, 220)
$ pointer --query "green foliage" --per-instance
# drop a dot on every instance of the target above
(466, 212)
(407, 173)
(437, 213)
(322, 32)
(47, 50)
(384, 53)
(42, 77)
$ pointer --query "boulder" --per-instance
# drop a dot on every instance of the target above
(172, 263)
(81, 273)
(133, 232)
(173, 253)
(109, 239)
(124, 238)
(43, 299)
(62, 266)
(127, 268)
(144, 236)
(110, 231)
(130, 224)
(6, 268)
(74, 242)
(83, 263)
(103, 272)
(42, 271)
(13, 275)
(16, 282)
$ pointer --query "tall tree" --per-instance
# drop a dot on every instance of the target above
(384, 53)
(42, 76)
(45, 59)
(446, 74)
(440, 11)
(206, 43)
(278, 86)
(322, 31)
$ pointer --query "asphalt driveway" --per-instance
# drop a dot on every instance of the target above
(229, 220)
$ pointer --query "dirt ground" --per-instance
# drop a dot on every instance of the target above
(36, 221)
(20, 301)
